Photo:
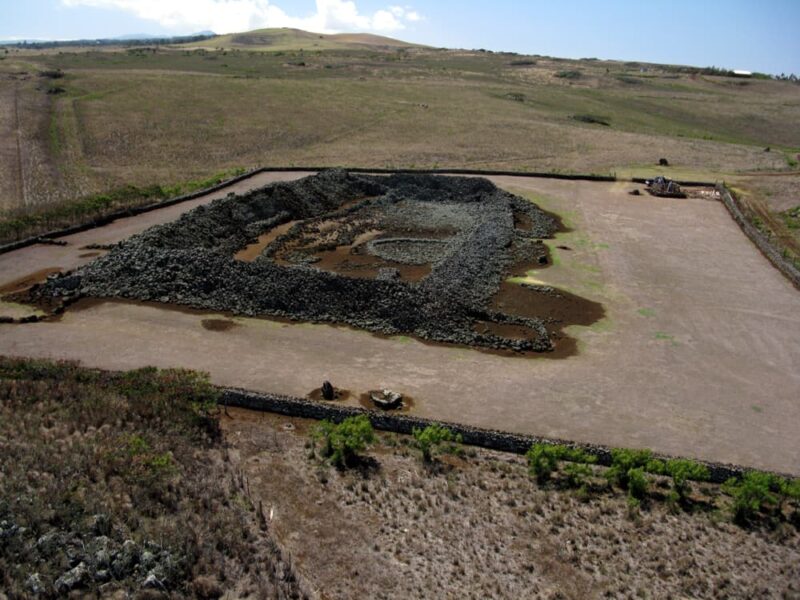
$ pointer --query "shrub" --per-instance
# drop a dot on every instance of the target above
(91, 457)
(576, 474)
(431, 440)
(682, 471)
(751, 494)
(592, 119)
(568, 74)
(656, 466)
(623, 460)
(637, 483)
(543, 459)
(516, 96)
(790, 489)
(341, 443)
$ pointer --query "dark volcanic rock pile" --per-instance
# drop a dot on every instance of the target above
(190, 261)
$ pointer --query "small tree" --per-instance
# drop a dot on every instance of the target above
(430, 440)
(682, 471)
(576, 474)
(637, 483)
(790, 489)
(751, 494)
(623, 461)
(543, 459)
(341, 443)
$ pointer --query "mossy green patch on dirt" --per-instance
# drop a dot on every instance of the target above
(602, 326)
(646, 312)
(16, 310)
(662, 336)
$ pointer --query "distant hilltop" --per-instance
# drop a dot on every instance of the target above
(283, 39)
(287, 39)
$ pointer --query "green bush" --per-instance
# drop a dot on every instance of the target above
(543, 459)
(682, 471)
(432, 439)
(790, 489)
(594, 119)
(751, 494)
(656, 466)
(341, 443)
(576, 474)
(637, 483)
(623, 460)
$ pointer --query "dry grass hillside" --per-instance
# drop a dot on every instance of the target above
(82, 121)
(295, 39)
(478, 525)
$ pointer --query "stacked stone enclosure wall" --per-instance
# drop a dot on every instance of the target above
(492, 439)
(191, 262)
(767, 248)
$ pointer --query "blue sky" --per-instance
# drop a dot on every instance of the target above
(760, 36)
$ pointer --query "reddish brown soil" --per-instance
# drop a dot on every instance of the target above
(353, 260)
(25, 283)
(558, 306)
(252, 251)
(338, 395)
(365, 401)
(218, 324)
(365, 266)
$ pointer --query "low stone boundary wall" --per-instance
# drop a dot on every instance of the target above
(123, 213)
(399, 423)
(679, 182)
(133, 211)
(761, 241)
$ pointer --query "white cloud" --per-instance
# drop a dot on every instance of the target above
(227, 16)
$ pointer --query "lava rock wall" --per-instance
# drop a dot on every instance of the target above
(190, 261)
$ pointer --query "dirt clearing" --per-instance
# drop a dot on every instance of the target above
(696, 355)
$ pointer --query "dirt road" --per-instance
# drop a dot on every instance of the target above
(697, 355)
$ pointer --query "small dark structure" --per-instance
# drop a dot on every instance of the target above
(663, 187)
(663, 162)
(328, 393)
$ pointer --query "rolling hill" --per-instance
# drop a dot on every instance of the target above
(286, 39)
(87, 120)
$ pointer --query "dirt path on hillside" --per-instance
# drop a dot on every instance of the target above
(697, 353)
(10, 160)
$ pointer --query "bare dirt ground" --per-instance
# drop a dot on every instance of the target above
(478, 526)
(697, 353)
